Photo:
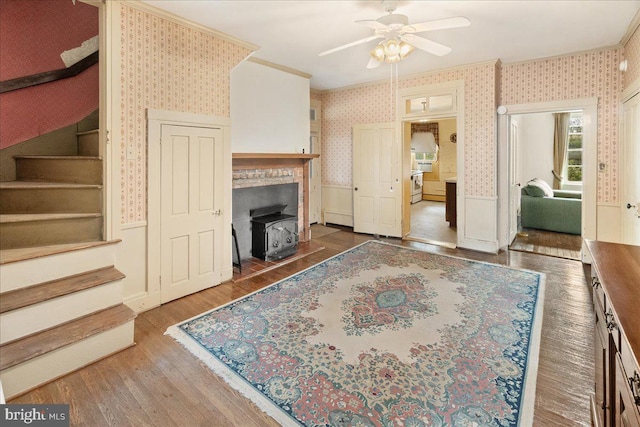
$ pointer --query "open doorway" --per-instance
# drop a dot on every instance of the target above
(546, 176)
(433, 175)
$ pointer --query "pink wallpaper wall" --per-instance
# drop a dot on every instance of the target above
(30, 112)
(341, 109)
(165, 66)
(584, 75)
(632, 55)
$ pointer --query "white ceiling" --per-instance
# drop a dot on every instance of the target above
(292, 33)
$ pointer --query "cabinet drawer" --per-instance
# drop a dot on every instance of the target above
(598, 293)
(627, 412)
(601, 325)
(630, 365)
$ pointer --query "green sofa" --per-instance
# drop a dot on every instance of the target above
(561, 213)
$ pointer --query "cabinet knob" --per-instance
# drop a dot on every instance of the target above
(610, 320)
(634, 383)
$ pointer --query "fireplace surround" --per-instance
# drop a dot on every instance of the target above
(268, 169)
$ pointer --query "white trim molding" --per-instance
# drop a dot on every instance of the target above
(589, 106)
(156, 119)
(182, 21)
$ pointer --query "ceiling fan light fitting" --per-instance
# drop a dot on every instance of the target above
(391, 51)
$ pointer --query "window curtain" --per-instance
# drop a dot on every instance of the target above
(560, 142)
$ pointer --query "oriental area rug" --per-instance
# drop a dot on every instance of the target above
(382, 335)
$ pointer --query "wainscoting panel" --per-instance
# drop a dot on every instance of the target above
(480, 228)
(609, 226)
(140, 292)
(337, 205)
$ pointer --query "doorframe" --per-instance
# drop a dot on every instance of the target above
(630, 92)
(315, 129)
(156, 119)
(458, 114)
(589, 106)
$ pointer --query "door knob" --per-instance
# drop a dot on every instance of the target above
(356, 189)
(629, 206)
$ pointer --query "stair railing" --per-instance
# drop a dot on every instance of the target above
(49, 76)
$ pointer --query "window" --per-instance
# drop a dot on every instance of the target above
(574, 149)
(432, 157)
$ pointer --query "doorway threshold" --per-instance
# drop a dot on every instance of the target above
(431, 242)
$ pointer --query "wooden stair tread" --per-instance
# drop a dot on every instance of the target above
(32, 346)
(59, 157)
(35, 294)
(7, 185)
(8, 256)
(12, 218)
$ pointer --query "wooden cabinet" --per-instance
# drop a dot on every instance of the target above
(616, 301)
(451, 208)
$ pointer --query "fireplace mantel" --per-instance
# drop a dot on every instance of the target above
(273, 160)
(294, 157)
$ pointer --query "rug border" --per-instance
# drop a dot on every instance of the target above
(238, 383)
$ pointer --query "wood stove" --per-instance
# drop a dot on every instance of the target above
(274, 234)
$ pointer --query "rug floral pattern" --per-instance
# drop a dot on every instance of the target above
(426, 340)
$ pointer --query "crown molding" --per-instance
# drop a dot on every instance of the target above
(278, 67)
(582, 52)
(145, 7)
(631, 29)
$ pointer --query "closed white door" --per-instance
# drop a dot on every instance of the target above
(315, 184)
(191, 165)
(631, 172)
(377, 189)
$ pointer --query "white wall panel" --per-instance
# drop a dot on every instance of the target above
(480, 224)
(337, 205)
(269, 110)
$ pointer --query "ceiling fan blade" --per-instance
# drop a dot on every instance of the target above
(426, 45)
(373, 63)
(372, 24)
(357, 42)
(438, 24)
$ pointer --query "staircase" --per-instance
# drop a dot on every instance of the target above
(60, 295)
(54, 199)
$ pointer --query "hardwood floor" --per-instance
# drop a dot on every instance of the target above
(158, 383)
(548, 243)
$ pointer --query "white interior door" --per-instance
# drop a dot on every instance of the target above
(514, 184)
(631, 171)
(191, 164)
(315, 183)
(377, 189)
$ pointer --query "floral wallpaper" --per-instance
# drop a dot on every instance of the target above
(315, 94)
(582, 75)
(168, 66)
(344, 108)
(632, 55)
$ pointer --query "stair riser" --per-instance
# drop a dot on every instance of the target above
(56, 200)
(79, 171)
(53, 232)
(25, 321)
(17, 275)
(40, 370)
(89, 144)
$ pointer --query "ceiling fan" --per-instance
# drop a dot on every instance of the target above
(400, 37)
